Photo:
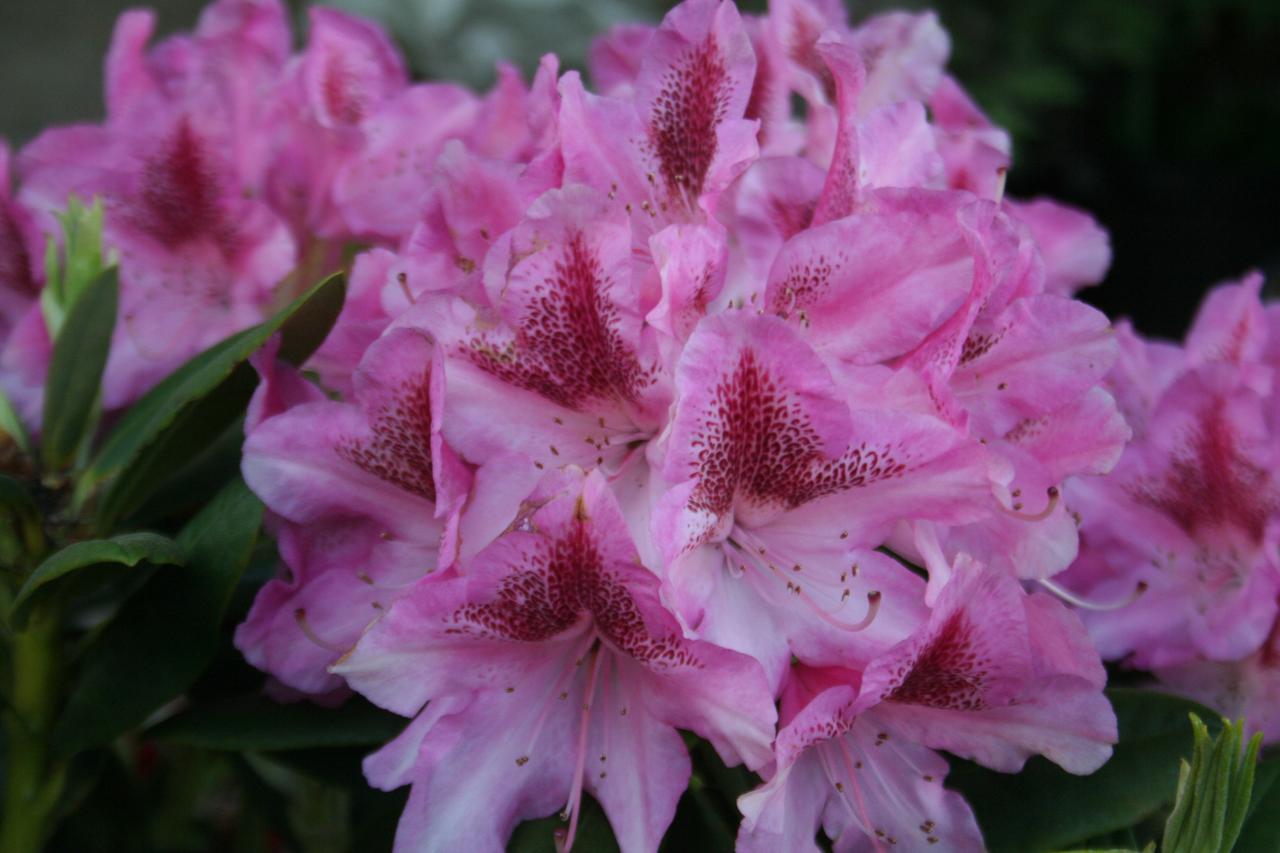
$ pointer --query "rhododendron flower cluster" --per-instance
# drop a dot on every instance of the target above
(1192, 512)
(656, 404)
(662, 405)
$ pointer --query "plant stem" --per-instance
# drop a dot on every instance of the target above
(34, 779)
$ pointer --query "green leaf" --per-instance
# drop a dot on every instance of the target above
(20, 527)
(257, 723)
(15, 497)
(539, 836)
(1213, 792)
(69, 270)
(11, 425)
(1261, 831)
(71, 392)
(1241, 791)
(195, 403)
(167, 633)
(1046, 808)
(126, 550)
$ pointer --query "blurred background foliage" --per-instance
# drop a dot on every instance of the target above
(1160, 116)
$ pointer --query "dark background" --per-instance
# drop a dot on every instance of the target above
(1162, 117)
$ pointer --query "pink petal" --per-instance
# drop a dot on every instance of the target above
(694, 83)
(349, 68)
(1076, 250)
(907, 255)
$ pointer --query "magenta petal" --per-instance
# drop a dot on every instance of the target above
(978, 681)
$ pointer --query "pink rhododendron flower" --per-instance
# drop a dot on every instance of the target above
(551, 668)
(364, 495)
(658, 389)
(994, 675)
(177, 162)
(1190, 513)
(24, 344)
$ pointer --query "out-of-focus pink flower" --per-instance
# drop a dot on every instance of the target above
(21, 253)
(550, 668)
(994, 675)
(24, 345)
(178, 163)
(1191, 514)
(1246, 689)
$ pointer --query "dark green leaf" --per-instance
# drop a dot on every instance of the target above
(310, 318)
(539, 836)
(257, 723)
(1046, 808)
(75, 371)
(166, 634)
(195, 403)
(1261, 833)
(126, 550)
(15, 497)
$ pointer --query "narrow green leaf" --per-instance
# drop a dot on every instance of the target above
(1046, 808)
(1213, 789)
(12, 426)
(1241, 793)
(1179, 828)
(199, 400)
(1212, 805)
(71, 391)
(257, 723)
(1178, 818)
(126, 550)
(166, 634)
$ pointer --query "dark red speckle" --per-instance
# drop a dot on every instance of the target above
(568, 348)
(16, 273)
(343, 99)
(1211, 484)
(399, 448)
(950, 672)
(682, 128)
(564, 581)
(180, 193)
(757, 442)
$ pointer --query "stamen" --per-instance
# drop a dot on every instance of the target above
(858, 805)
(761, 560)
(403, 280)
(1039, 516)
(1085, 604)
(300, 616)
(564, 838)
(1002, 176)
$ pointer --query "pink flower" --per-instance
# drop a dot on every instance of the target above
(21, 254)
(24, 346)
(177, 163)
(365, 496)
(549, 668)
(789, 357)
(782, 482)
(1190, 513)
(994, 675)
(666, 153)
(1247, 689)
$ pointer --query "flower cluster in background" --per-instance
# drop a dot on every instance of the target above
(721, 391)
(1192, 512)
